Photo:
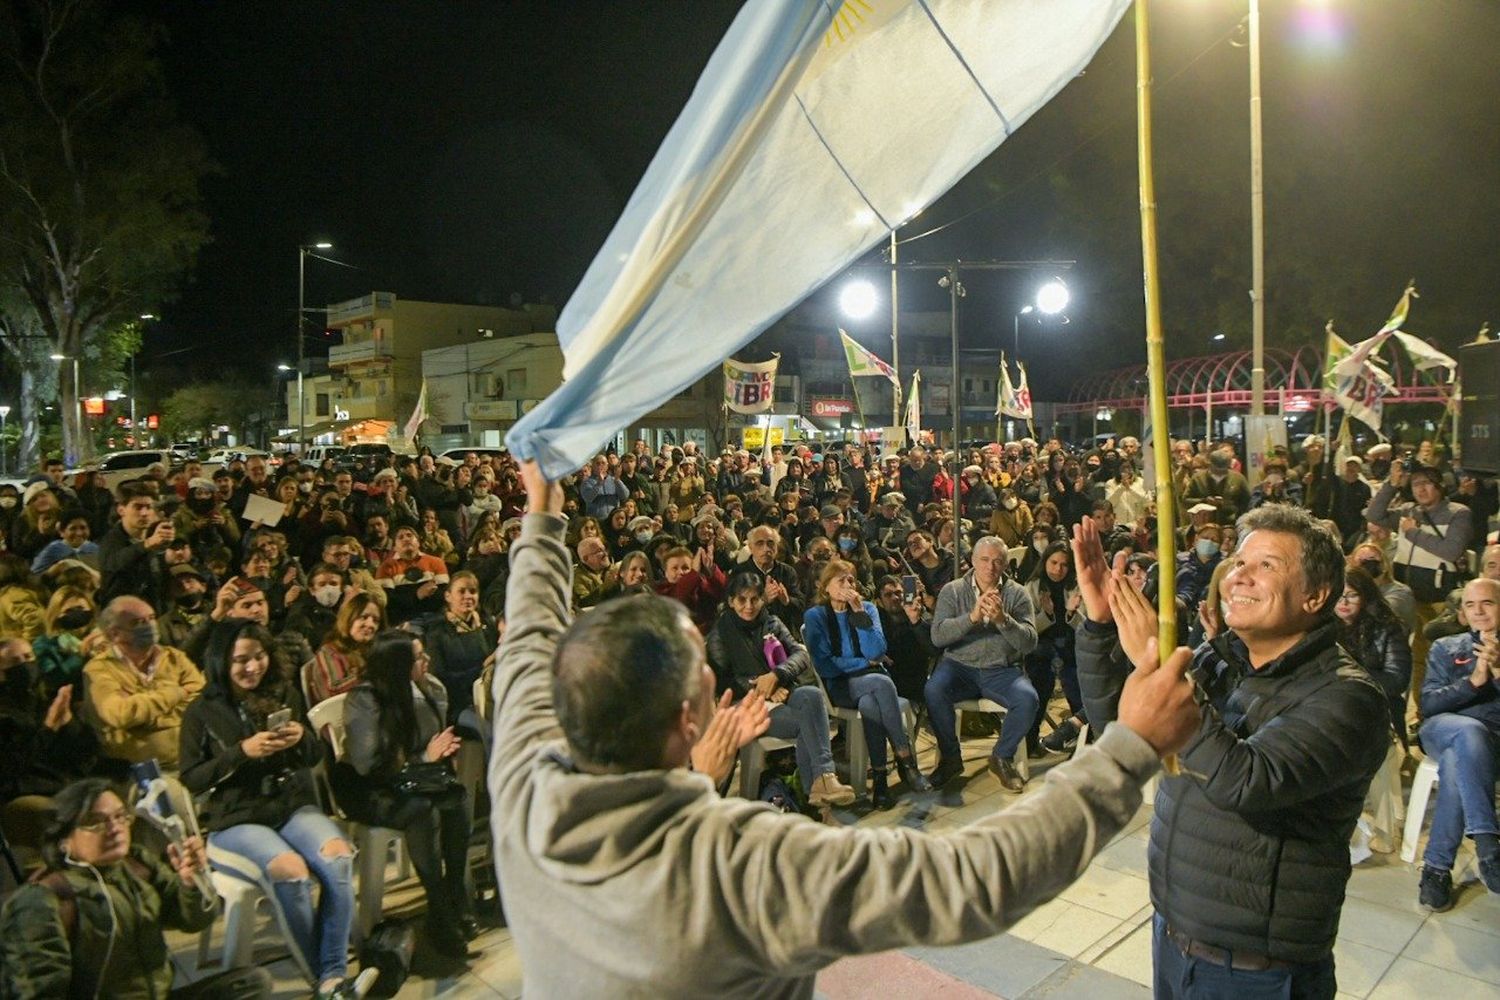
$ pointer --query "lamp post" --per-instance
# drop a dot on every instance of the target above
(77, 406)
(1257, 230)
(287, 368)
(147, 317)
(1025, 311)
(4, 448)
(301, 345)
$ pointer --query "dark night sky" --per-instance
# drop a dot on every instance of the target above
(468, 151)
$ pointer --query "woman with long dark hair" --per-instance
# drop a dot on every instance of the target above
(1053, 589)
(397, 772)
(1375, 636)
(257, 800)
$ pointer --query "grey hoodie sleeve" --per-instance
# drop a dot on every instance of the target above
(536, 613)
(805, 894)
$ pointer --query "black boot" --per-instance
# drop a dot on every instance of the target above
(880, 794)
(911, 777)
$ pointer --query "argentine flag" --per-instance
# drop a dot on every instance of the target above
(817, 127)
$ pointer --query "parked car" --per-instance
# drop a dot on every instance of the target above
(459, 454)
(366, 453)
(223, 456)
(122, 466)
(314, 456)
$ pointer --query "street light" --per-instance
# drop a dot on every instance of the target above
(301, 345)
(1052, 298)
(287, 368)
(1025, 310)
(858, 300)
(146, 317)
(77, 405)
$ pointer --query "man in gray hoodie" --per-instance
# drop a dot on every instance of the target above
(627, 876)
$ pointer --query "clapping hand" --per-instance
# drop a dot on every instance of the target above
(1157, 701)
(1094, 579)
(732, 727)
(442, 746)
(1134, 616)
(60, 712)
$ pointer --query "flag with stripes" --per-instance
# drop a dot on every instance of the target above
(817, 127)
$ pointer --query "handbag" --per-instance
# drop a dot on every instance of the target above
(426, 778)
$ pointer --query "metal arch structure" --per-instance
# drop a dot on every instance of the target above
(1223, 380)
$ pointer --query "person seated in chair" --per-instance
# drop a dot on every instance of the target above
(1461, 731)
(985, 625)
(750, 649)
(90, 923)
(257, 800)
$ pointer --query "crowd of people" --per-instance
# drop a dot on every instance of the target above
(157, 623)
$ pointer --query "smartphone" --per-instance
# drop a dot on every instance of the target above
(278, 719)
(909, 588)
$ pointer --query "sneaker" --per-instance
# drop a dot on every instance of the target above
(1062, 739)
(946, 770)
(1006, 771)
(1435, 891)
(1489, 873)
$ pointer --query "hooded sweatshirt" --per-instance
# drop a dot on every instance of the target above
(647, 884)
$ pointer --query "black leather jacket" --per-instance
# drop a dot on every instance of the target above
(1249, 846)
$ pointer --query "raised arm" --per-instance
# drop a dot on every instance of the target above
(536, 614)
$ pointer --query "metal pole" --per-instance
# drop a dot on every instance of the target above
(301, 347)
(953, 401)
(4, 447)
(895, 341)
(1257, 230)
(1017, 321)
(132, 393)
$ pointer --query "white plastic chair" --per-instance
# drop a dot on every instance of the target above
(994, 708)
(753, 762)
(372, 844)
(854, 737)
(1422, 784)
(241, 899)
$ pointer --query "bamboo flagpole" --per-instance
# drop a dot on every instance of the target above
(1166, 516)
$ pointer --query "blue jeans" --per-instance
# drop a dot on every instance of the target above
(874, 695)
(953, 682)
(1055, 646)
(1180, 977)
(804, 718)
(322, 935)
(1465, 750)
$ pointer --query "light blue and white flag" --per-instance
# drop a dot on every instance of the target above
(817, 127)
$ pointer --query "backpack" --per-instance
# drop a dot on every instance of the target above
(776, 791)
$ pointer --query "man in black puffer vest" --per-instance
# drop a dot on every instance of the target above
(1249, 851)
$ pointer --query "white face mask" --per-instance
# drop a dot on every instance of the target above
(328, 596)
(305, 487)
(1009, 503)
(1039, 546)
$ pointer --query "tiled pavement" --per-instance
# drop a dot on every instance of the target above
(1093, 941)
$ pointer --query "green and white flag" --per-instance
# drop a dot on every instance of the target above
(862, 362)
(914, 409)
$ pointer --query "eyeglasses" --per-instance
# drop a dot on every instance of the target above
(1348, 598)
(98, 823)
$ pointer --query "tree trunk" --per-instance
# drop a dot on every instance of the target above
(26, 447)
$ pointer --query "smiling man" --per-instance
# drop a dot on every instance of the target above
(1249, 851)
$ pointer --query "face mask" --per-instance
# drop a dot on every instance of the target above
(74, 618)
(142, 636)
(1206, 548)
(190, 602)
(200, 505)
(1039, 546)
(328, 596)
(7, 502)
(848, 544)
(1009, 503)
(305, 487)
(1374, 567)
(643, 536)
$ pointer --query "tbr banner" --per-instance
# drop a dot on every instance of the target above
(750, 388)
(815, 130)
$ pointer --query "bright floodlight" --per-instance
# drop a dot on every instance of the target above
(148, 316)
(58, 357)
(323, 246)
(1052, 298)
(858, 300)
(283, 368)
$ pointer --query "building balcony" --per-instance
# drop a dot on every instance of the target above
(364, 350)
(365, 408)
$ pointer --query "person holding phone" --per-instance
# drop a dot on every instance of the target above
(908, 635)
(247, 756)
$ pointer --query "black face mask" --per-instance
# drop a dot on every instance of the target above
(74, 618)
(1374, 567)
(200, 505)
(190, 602)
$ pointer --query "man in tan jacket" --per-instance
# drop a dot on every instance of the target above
(627, 875)
(136, 690)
